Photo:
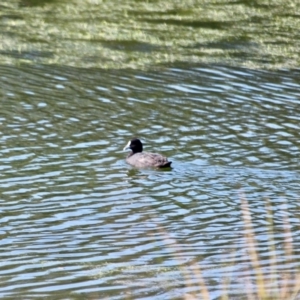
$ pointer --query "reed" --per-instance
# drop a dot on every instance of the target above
(273, 280)
(264, 279)
(276, 284)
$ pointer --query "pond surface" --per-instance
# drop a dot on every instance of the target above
(78, 222)
(212, 85)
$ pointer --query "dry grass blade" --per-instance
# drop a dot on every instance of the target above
(272, 249)
(288, 249)
(194, 266)
(296, 291)
(226, 283)
(251, 243)
(198, 274)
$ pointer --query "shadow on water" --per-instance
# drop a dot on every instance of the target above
(33, 3)
(28, 55)
(129, 46)
(195, 24)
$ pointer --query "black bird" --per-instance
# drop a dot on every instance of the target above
(140, 159)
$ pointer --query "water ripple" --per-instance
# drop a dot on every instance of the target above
(76, 219)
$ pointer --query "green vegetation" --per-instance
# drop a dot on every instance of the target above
(143, 34)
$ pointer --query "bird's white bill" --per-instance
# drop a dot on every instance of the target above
(127, 146)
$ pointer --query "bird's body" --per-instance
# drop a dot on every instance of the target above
(141, 159)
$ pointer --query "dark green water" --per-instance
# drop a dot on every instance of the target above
(78, 81)
(142, 34)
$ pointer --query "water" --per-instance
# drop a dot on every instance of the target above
(78, 222)
(137, 34)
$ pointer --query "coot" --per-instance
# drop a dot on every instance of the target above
(140, 159)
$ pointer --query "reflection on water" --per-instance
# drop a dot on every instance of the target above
(76, 219)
